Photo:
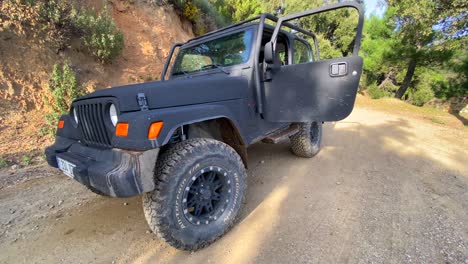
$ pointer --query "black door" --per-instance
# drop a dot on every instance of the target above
(321, 90)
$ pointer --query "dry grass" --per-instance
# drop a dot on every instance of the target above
(395, 106)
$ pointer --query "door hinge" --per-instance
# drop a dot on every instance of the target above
(142, 102)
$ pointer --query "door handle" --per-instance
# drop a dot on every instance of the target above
(338, 69)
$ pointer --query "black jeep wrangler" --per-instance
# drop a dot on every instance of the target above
(182, 142)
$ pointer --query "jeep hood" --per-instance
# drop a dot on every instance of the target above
(174, 93)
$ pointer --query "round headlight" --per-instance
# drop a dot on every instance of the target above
(75, 115)
(113, 115)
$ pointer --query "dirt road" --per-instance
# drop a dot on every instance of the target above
(384, 189)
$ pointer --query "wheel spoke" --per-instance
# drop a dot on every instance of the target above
(201, 179)
(217, 184)
(191, 202)
(209, 206)
(211, 176)
(198, 209)
(215, 196)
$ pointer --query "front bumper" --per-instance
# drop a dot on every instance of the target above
(115, 172)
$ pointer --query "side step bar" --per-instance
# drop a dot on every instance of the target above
(277, 137)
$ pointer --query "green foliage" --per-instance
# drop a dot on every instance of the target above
(376, 93)
(26, 160)
(377, 45)
(423, 92)
(3, 163)
(244, 9)
(56, 12)
(57, 22)
(191, 11)
(455, 72)
(205, 15)
(100, 34)
(63, 88)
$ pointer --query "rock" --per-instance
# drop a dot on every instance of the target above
(338, 183)
(60, 202)
(125, 203)
(148, 232)
(15, 167)
(261, 162)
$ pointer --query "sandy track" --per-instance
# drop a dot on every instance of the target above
(384, 189)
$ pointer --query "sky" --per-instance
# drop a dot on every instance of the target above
(373, 7)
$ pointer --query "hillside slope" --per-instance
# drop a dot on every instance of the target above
(25, 67)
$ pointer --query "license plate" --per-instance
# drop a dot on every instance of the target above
(66, 167)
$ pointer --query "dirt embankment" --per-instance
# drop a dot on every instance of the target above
(25, 67)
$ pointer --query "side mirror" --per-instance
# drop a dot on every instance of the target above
(269, 53)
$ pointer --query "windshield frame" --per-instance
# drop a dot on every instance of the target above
(215, 37)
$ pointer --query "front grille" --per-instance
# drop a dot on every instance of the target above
(92, 123)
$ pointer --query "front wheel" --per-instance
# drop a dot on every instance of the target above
(306, 143)
(200, 188)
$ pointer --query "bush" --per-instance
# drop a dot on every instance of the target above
(204, 15)
(191, 11)
(63, 88)
(422, 95)
(100, 35)
(26, 160)
(376, 93)
(3, 163)
(57, 22)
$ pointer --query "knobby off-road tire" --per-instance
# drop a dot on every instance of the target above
(96, 191)
(200, 189)
(306, 143)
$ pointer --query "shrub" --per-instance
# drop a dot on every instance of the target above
(3, 163)
(26, 160)
(375, 92)
(422, 95)
(389, 87)
(100, 35)
(56, 22)
(191, 11)
(63, 88)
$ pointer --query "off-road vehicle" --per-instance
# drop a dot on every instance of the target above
(182, 142)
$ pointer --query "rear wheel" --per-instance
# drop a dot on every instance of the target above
(200, 191)
(306, 143)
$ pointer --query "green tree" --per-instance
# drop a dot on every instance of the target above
(244, 9)
(422, 28)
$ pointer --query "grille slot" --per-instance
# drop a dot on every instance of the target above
(92, 124)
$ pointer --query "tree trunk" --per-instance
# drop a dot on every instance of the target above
(408, 77)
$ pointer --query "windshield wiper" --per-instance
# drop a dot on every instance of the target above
(217, 66)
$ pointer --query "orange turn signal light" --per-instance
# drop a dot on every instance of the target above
(121, 130)
(61, 124)
(154, 129)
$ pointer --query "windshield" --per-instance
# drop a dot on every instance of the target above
(222, 52)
